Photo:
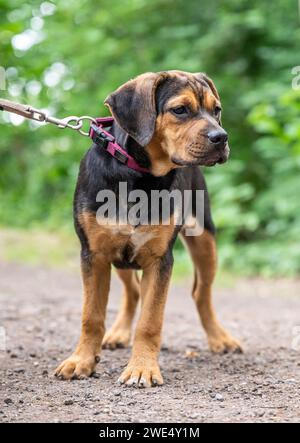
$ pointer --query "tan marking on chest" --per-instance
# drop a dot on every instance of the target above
(147, 242)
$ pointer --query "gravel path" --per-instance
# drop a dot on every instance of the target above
(40, 312)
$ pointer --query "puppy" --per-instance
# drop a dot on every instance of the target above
(170, 124)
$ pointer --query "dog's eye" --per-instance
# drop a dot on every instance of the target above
(218, 111)
(180, 110)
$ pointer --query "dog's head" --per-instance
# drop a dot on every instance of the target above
(175, 116)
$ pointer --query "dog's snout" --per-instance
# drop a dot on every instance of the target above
(218, 137)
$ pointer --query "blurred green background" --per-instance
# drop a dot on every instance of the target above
(67, 56)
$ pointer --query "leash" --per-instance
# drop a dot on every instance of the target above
(100, 136)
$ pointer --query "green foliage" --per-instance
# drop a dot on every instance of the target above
(85, 49)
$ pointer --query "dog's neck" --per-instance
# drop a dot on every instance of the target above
(130, 145)
(100, 170)
(151, 157)
(113, 171)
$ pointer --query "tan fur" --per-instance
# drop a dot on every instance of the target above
(96, 283)
(105, 243)
(119, 334)
(187, 97)
(143, 366)
(174, 138)
(203, 252)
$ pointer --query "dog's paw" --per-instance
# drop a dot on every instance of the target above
(76, 367)
(116, 338)
(223, 343)
(142, 375)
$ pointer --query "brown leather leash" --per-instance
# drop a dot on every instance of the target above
(98, 130)
(27, 111)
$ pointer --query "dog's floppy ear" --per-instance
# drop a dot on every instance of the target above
(200, 77)
(133, 106)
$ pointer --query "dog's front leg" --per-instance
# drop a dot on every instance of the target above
(143, 369)
(96, 282)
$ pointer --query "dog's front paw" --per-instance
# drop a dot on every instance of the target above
(142, 373)
(222, 342)
(76, 367)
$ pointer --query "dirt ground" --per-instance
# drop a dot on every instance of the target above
(40, 312)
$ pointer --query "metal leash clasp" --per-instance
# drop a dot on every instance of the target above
(71, 122)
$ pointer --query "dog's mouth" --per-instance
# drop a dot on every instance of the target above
(204, 160)
(220, 161)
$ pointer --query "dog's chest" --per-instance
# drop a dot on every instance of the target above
(127, 245)
(134, 239)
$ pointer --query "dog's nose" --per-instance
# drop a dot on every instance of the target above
(218, 137)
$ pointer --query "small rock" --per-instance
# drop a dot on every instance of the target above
(131, 403)
(96, 375)
(110, 371)
(219, 397)
(192, 416)
(68, 402)
(8, 401)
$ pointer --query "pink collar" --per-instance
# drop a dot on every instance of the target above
(106, 141)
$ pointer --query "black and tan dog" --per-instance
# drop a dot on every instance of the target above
(170, 122)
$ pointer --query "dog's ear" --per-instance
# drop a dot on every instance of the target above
(200, 77)
(133, 106)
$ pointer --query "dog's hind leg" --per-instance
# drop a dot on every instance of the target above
(118, 336)
(203, 252)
